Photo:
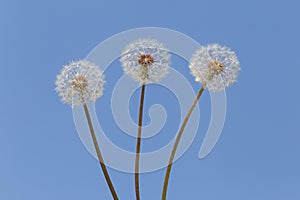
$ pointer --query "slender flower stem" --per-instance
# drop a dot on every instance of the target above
(101, 161)
(138, 144)
(167, 176)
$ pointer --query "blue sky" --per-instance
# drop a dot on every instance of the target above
(257, 156)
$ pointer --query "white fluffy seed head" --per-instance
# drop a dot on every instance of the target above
(145, 60)
(215, 66)
(80, 82)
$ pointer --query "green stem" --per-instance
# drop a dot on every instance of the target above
(100, 158)
(168, 172)
(138, 144)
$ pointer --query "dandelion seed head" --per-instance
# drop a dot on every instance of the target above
(215, 66)
(80, 82)
(145, 60)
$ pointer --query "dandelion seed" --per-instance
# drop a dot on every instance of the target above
(78, 81)
(77, 84)
(215, 66)
(145, 60)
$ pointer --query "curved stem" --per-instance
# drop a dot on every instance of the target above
(138, 144)
(168, 172)
(100, 157)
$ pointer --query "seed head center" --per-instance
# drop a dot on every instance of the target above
(146, 60)
(80, 83)
(216, 66)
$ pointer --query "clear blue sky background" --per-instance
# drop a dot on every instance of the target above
(257, 157)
